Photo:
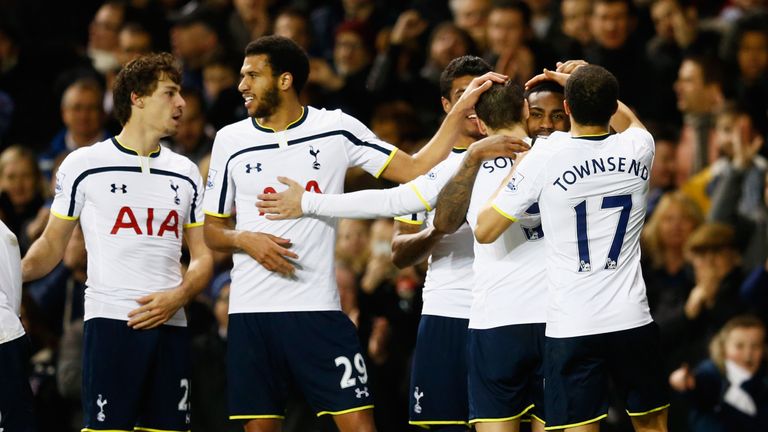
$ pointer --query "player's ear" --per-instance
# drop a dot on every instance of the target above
(446, 104)
(566, 108)
(285, 81)
(482, 127)
(137, 100)
(526, 110)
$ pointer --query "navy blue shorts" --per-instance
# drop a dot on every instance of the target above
(578, 370)
(319, 352)
(135, 379)
(439, 373)
(506, 373)
(15, 394)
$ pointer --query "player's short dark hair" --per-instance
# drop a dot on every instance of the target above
(501, 105)
(592, 93)
(545, 86)
(284, 55)
(467, 65)
(141, 76)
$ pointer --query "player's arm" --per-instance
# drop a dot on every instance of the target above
(454, 198)
(403, 167)
(625, 118)
(46, 252)
(295, 202)
(411, 244)
(157, 308)
(622, 120)
(270, 251)
(491, 220)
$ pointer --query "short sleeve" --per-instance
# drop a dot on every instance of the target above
(195, 215)
(364, 149)
(219, 188)
(523, 188)
(413, 218)
(68, 193)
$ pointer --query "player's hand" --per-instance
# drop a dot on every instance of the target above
(282, 205)
(268, 250)
(476, 87)
(496, 146)
(682, 379)
(569, 66)
(548, 75)
(156, 309)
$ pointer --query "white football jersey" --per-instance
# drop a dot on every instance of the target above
(592, 194)
(316, 151)
(132, 210)
(10, 286)
(510, 284)
(448, 284)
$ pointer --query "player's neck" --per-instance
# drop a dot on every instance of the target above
(289, 111)
(578, 130)
(517, 131)
(141, 140)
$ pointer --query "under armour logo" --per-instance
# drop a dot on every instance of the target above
(101, 416)
(417, 395)
(122, 188)
(610, 264)
(248, 168)
(175, 189)
(359, 393)
(314, 153)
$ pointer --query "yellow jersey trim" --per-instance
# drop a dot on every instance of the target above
(134, 150)
(408, 221)
(533, 416)
(631, 414)
(288, 126)
(598, 418)
(386, 163)
(192, 225)
(503, 213)
(259, 416)
(65, 217)
(139, 428)
(218, 215)
(592, 135)
(499, 420)
(347, 411)
(420, 197)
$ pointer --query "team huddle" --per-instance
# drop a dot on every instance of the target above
(528, 202)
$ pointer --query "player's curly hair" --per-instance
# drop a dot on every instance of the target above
(141, 76)
(501, 105)
(592, 93)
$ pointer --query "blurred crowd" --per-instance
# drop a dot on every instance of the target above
(695, 71)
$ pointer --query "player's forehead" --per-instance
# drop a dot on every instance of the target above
(165, 83)
(258, 63)
(459, 84)
(545, 100)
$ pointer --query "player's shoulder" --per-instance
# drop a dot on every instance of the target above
(236, 128)
(637, 134)
(177, 161)
(90, 156)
